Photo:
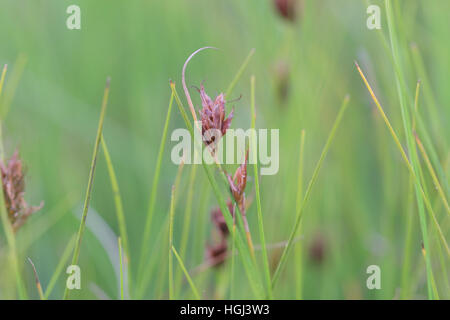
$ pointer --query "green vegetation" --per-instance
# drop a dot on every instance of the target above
(364, 184)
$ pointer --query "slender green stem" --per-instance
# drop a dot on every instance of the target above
(119, 207)
(432, 173)
(90, 185)
(239, 73)
(186, 274)
(119, 243)
(60, 267)
(300, 211)
(154, 191)
(36, 278)
(171, 214)
(187, 218)
(253, 148)
(299, 251)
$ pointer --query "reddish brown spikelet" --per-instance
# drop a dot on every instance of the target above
(239, 181)
(212, 114)
(13, 183)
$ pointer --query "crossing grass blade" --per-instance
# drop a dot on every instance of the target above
(300, 211)
(154, 191)
(60, 267)
(90, 185)
(171, 214)
(239, 73)
(36, 278)
(186, 274)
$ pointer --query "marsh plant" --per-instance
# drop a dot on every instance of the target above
(265, 180)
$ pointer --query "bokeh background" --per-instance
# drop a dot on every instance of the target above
(360, 205)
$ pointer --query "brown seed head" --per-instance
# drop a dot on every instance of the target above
(13, 184)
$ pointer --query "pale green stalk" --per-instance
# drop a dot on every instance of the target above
(36, 278)
(119, 207)
(119, 243)
(258, 194)
(187, 219)
(186, 274)
(154, 191)
(171, 214)
(239, 73)
(299, 251)
(60, 267)
(87, 199)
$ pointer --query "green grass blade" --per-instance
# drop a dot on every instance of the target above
(239, 73)
(119, 207)
(117, 200)
(187, 219)
(154, 191)
(87, 199)
(171, 214)
(300, 211)
(119, 243)
(258, 194)
(299, 249)
(36, 278)
(60, 267)
(188, 277)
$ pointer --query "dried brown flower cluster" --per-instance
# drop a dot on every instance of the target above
(13, 183)
(212, 115)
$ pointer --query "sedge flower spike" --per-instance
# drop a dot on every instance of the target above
(238, 182)
(13, 185)
(212, 115)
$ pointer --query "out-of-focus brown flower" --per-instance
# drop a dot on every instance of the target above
(217, 254)
(238, 183)
(288, 9)
(219, 220)
(212, 115)
(317, 249)
(13, 184)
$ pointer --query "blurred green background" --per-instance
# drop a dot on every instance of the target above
(360, 206)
